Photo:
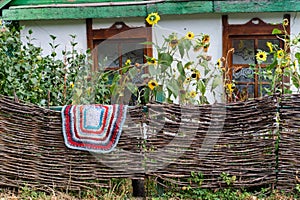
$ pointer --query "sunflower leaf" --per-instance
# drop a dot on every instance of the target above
(276, 31)
(180, 68)
(165, 59)
(131, 87)
(181, 49)
(297, 55)
(201, 87)
(173, 87)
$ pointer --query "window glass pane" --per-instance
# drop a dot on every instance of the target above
(262, 45)
(245, 91)
(243, 52)
(265, 89)
(265, 75)
(132, 51)
(243, 75)
(108, 54)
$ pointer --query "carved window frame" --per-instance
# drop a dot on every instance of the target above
(255, 29)
(118, 31)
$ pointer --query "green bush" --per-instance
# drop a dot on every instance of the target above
(27, 74)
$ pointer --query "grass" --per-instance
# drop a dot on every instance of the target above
(122, 189)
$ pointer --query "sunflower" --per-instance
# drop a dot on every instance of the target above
(285, 22)
(187, 80)
(153, 18)
(269, 44)
(71, 85)
(152, 84)
(278, 70)
(196, 75)
(229, 87)
(205, 47)
(219, 63)
(173, 43)
(261, 56)
(205, 39)
(193, 94)
(151, 61)
(280, 54)
(190, 35)
(128, 62)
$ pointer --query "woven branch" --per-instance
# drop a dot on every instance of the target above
(169, 141)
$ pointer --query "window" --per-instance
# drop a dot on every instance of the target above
(111, 47)
(118, 43)
(246, 39)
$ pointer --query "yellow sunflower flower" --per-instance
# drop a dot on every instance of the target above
(285, 22)
(196, 75)
(151, 61)
(187, 80)
(190, 35)
(174, 42)
(205, 39)
(280, 54)
(229, 87)
(71, 84)
(205, 47)
(261, 56)
(153, 18)
(152, 84)
(219, 63)
(128, 62)
(270, 45)
(278, 70)
(193, 94)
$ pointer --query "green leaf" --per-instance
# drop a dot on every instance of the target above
(173, 87)
(296, 80)
(297, 55)
(180, 69)
(165, 59)
(133, 72)
(276, 31)
(216, 82)
(181, 49)
(153, 71)
(52, 37)
(131, 87)
(201, 86)
(187, 44)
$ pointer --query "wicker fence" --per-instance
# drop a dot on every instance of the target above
(168, 141)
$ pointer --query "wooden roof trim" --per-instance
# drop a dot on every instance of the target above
(4, 3)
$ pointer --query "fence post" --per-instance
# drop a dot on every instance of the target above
(138, 188)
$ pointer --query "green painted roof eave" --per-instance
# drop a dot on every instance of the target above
(165, 8)
(143, 8)
(4, 3)
(257, 6)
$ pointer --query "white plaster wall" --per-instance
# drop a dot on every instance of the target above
(59, 28)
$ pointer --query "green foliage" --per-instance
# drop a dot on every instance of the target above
(46, 80)
(28, 75)
(229, 180)
(180, 73)
(285, 63)
(196, 178)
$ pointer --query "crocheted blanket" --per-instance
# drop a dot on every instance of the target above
(94, 128)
